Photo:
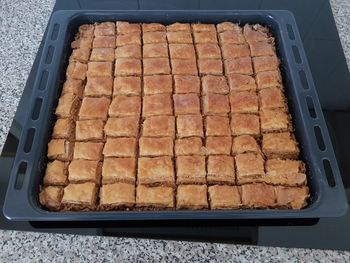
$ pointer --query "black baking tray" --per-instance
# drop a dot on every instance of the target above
(327, 195)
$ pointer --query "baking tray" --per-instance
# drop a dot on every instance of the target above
(327, 195)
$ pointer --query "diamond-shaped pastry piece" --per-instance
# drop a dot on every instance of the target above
(218, 145)
(224, 197)
(189, 125)
(125, 106)
(82, 171)
(97, 87)
(190, 169)
(156, 146)
(88, 130)
(120, 147)
(158, 104)
(186, 104)
(247, 124)
(191, 197)
(122, 126)
(94, 108)
(155, 171)
(221, 170)
(119, 170)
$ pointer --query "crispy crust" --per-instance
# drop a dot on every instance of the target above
(250, 168)
(159, 126)
(184, 67)
(51, 197)
(214, 84)
(122, 126)
(245, 144)
(79, 197)
(55, 174)
(105, 29)
(123, 106)
(244, 102)
(76, 70)
(190, 170)
(241, 65)
(179, 37)
(208, 51)
(265, 63)
(154, 37)
(154, 197)
(189, 146)
(60, 149)
(191, 197)
(88, 151)
(255, 33)
(96, 87)
(240, 82)
(262, 48)
(151, 27)
(245, 124)
(217, 126)
(231, 37)
(94, 108)
(224, 197)
(226, 26)
(121, 170)
(218, 145)
(132, 38)
(104, 41)
(99, 69)
(178, 27)
(67, 105)
(102, 54)
(272, 98)
(210, 66)
(258, 196)
(231, 51)
(216, 104)
(221, 170)
(89, 130)
(189, 125)
(157, 84)
(292, 197)
(205, 37)
(153, 66)
(182, 51)
(129, 85)
(80, 54)
(186, 104)
(63, 129)
(203, 27)
(126, 27)
(156, 146)
(274, 120)
(158, 104)
(186, 84)
(127, 67)
(280, 145)
(267, 79)
(159, 50)
(82, 171)
(74, 86)
(117, 196)
(128, 51)
(120, 147)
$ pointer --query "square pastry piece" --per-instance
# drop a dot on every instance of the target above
(79, 197)
(239, 65)
(216, 104)
(274, 120)
(102, 54)
(217, 126)
(205, 37)
(60, 149)
(272, 98)
(99, 69)
(117, 196)
(280, 145)
(96, 87)
(105, 29)
(182, 51)
(118, 170)
(208, 51)
(191, 197)
(127, 67)
(285, 172)
(221, 170)
(120, 147)
(158, 197)
(80, 54)
(258, 196)
(159, 126)
(128, 51)
(214, 84)
(159, 50)
(67, 105)
(132, 38)
(82, 171)
(154, 37)
(240, 82)
(265, 63)
(231, 51)
(122, 127)
(50, 197)
(186, 84)
(189, 125)
(159, 104)
(180, 37)
(292, 197)
(184, 67)
(157, 84)
(245, 144)
(74, 86)
(175, 27)
(156, 171)
(268, 79)
(186, 104)
(122, 106)
(224, 197)
(126, 27)
(244, 102)
(63, 129)
(190, 169)
(250, 168)
(56, 174)
(89, 130)
(262, 48)
(127, 86)
(153, 66)
(94, 108)
(156, 146)
(210, 66)
(245, 124)
(76, 70)
(88, 150)
(104, 41)
(189, 146)
(218, 145)
(231, 37)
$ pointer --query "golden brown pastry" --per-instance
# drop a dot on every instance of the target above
(105, 29)
(122, 126)
(245, 124)
(240, 82)
(216, 104)
(154, 37)
(56, 173)
(191, 197)
(125, 106)
(88, 150)
(245, 144)
(258, 196)
(262, 48)
(209, 66)
(77, 70)
(97, 87)
(274, 120)
(120, 147)
(178, 27)
(186, 104)
(226, 26)
(208, 51)
(205, 37)
(157, 84)
(190, 169)
(218, 145)
(79, 197)
(224, 197)
(102, 54)
(80, 54)
(128, 51)
(117, 196)
(104, 41)
(153, 66)
(60, 149)
(217, 126)
(221, 170)
(99, 69)
(127, 67)
(244, 102)
(159, 50)
(265, 63)
(89, 130)
(280, 145)
(292, 197)
(94, 108)
(119, 170)
(156, 146)
(179, 37)
(231, 37)
(268, 79)
(132, 38)
(158, 104)
(152, 27)
(51, 197)
(189, 125)
(82, 171)
(184, 67)
(158, 197)
(250, 168)
(186, 84)
(189, 146)
(74, 86)
(214, 84)
(67, 105)
(198, 27)
(63, 129)
(159, 126)
(272, 98)
(129, 85)
(232, 51)
(241, 65)
(182, 51)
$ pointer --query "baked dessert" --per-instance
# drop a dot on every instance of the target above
(173, 117)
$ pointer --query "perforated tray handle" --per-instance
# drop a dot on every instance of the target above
(325, 157)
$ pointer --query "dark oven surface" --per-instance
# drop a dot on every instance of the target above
(311, 130)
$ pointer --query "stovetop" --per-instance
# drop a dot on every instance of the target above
(332, 80)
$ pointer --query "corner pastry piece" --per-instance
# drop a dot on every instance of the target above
(120, 147)
(250, 168)
(119, 170)
(258, 196)
(89, 130)
(97, 87)
(82, 171)
(292, 197)
(128, 51)
(117, 196)
(51, 197)
(157, 84)
(127, 67)
(241, 65)
(129, 85)
(218, 145)
(159, 126)
(158, 104)
(189, 125)
(76, 70)
(155, 171)
(153, 66)
(255, 33)
(122, 127)
(224, 197)
(158, 197)
(88, 150)
(186, 104)
(56, 174)
(191, 197)
(125, 106)
(216, 104)
(245, 124)
(189, 146)
(244, 102)
(221, 170)
(285, 172)
(86, 30)
(190, 169)
(214, 84)
(245, 144)
(63, 129)
(99, 69)
(79, 197)
(156, 146)
(240, 82)
(217, 126)
(67, 105)
(60, 149)
(94, 108)
(280, 145)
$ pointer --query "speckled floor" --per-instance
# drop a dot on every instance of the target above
(20, 36)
